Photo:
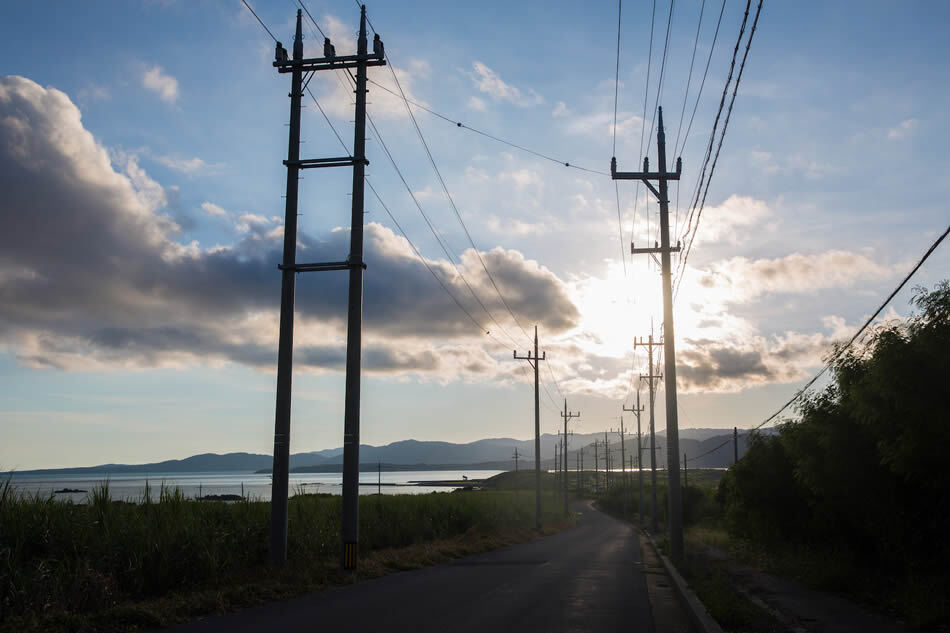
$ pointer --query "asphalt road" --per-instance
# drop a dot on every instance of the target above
(585, 579)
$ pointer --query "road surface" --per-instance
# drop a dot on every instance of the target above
(585, 579)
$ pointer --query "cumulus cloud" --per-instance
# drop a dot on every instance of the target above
(490, 83)
(162, 84)
(92, 274)
(747, 279)
(729, 221)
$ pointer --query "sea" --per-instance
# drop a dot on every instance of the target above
(254, 486)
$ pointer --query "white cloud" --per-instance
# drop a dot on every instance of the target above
(490, 83)
(212, 209)
(747, 279)
(903, 129)
(560, 110)
(523, 178)
(189, 166)
(479, 105)
(601, 124)
(165, 86)
(730, 220)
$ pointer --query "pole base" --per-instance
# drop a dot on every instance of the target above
(350, 556)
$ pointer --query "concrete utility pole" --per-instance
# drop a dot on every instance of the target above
(567, 415)
(637, 410)
(623, 469)
(577, 465)
(651, 379)
(685, 474)
(297, 66)
(606, 463)
(379, 478)
(557, 465)
(735, 444)
(672, 424)
(582, 486)
(596, 475)
(533, 361)
(516, 456)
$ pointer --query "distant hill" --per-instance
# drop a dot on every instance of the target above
(443, 455)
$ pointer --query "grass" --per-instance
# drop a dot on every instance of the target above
(110, 565)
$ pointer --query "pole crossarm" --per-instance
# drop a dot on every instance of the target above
(653, 249)
(328, 63)
(312, 163)
(323, 266)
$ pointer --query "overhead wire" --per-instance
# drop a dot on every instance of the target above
(254, 13)
(722, 136)
(643, 121)
(497, 139)
(623, 250)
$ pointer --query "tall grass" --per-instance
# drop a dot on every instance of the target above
(79, 558)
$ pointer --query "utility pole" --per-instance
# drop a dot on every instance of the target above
(606, 463)
(637, 410)
(623, 470)
(567, 415)
(582, 480)
(379, 478)
(672, 424)
(685, 474)
(297, 66)
(651, 379)
(735, 444)
(577, 483)
(533, 361)
(596, 475)
(516, 456)
(557, 465)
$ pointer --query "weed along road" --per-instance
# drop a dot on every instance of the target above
(584, 579)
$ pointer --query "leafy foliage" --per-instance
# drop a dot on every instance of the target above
(862, 474)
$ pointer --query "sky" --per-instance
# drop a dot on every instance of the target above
(141, 219)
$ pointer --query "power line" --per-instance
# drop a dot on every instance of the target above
(259, 20)
(458, 214)
(725, 126)
(623, 250)
(841, 350)
(488, 135)
(643, 121)
(712, 48)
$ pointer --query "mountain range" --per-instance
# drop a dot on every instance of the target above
(494, 453)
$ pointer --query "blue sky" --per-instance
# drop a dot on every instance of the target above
(141, 147)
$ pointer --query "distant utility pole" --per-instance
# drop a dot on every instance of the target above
(735, 444)
(606, 463)
(672, 424)
(516, 456)
(557, 465)
(379, 478)
(567, 415)
(623, 470)
(685, 474)
(297, 66)
(637, 410)
(533, 361)
(582, 480)
(651, 379)
(577, 460)
(596, 475)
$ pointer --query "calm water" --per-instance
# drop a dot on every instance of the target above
(255, 486)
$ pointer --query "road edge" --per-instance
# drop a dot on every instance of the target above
(698, 615)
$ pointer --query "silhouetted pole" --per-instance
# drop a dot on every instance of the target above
(567, 415)
(533, 361)
(685, 474)
(735, 444)
(606, 463)
(637, 410)
(379, 478)
(557, 465)
(354, 328)
(285, 346)
(516, 456)
(577, 465)
(672, 424)
(583, 481)
(297, 66)
(596, 474)
(651, 379)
